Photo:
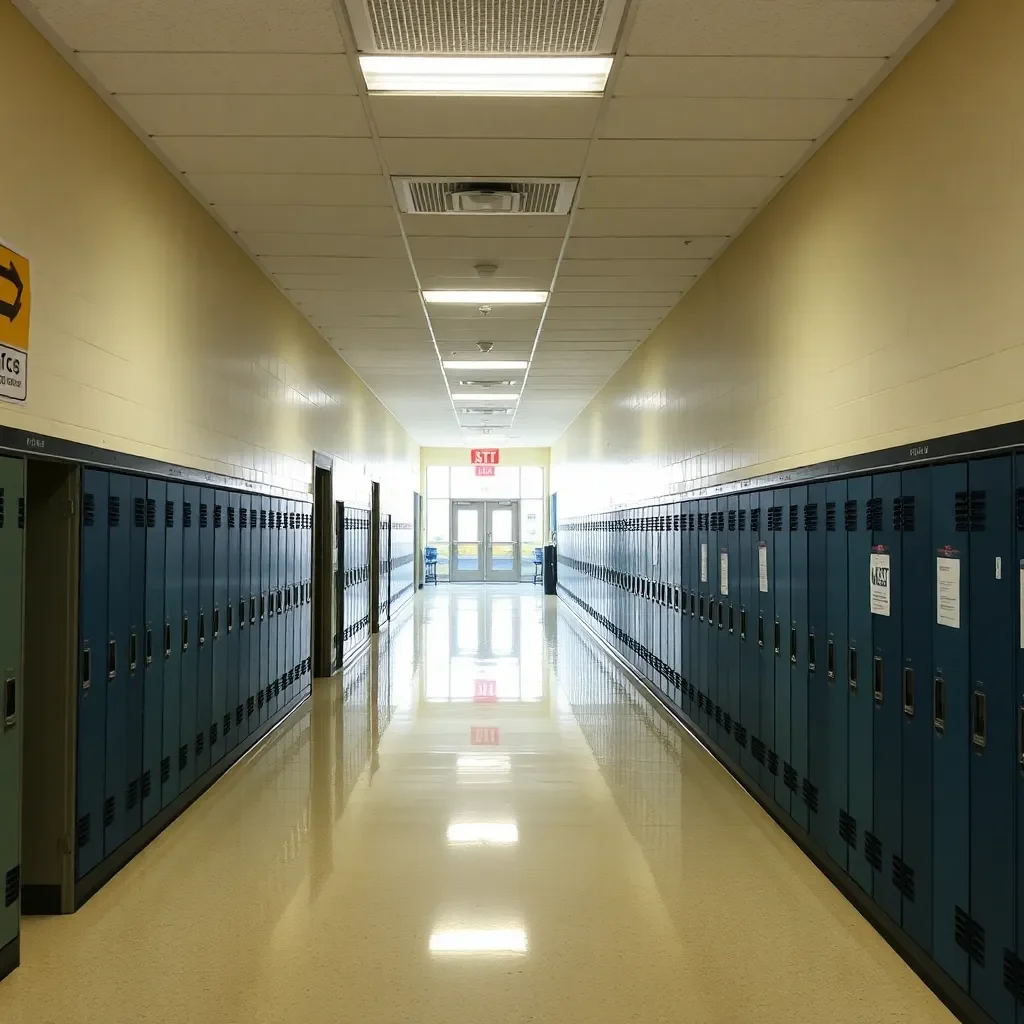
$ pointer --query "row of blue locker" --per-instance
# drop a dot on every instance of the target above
(352, 581)
(194, 631)
(854, 649)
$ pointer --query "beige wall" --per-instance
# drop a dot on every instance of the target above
(152, 332)
(877, 301)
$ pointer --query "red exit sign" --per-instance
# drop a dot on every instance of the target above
(485, 735)
(484, 456)
(484, 470)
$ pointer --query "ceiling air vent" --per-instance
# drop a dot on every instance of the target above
(482, 410)
(475, 196)
(486, 26)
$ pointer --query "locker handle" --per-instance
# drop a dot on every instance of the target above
(279, 602)
(979, 722)
(721, 606)
(1020, 738)
(877, 678)
(252, 611)
(853, 668)
(940, 704)
(133, 652)
(263, 607)
(908, 691)
(149, 647)
(743, 623)
(111, 659)
(202, 628)
(777, 637)
(10, 702)
(760, 630)
(731, 620)
(184, 633)
(167, 639)
(216, 623)
(693, 604)
(831, 654)
(231, 616)
(270, 594)
(86, 668)
(701, 607)
(792, 645)
(811, 652)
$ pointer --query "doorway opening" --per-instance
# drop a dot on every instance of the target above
(485, 542)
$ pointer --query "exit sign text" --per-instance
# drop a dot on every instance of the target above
(484, 456)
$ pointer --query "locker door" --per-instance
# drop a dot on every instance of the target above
(288, 658)
(204, 632)
(221, 712)
(92, 688)
(136, 658)
(232, 624)
(913, 871)
(951, 733)
(820, 824)
(1016, 960)
(781, 627)
(268, 649)
(12, 532)
(746, 629)
(733, 600)
(153, 647)
(717, 681)
(257, 611)
(835, 793)
(116, 659)
(676, 625)
(795, 639)
(883, 846)
(282, 605)
(190, 595)
(296, 613)
(764, 745)
(170, 642)
(703, 612)
(993, 726)
(694, 623)
(243, 623)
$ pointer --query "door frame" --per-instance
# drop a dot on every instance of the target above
(483, 573)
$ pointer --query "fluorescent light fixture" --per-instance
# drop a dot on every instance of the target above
(479, 940)
(472, 396)
(486, 76)
(483, 364)
(483, 833)
(482, 298)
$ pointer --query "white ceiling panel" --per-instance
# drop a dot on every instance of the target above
(811, 28)
(506, 270)
(666, 158)
(291, 189)
(359, 268)
(619, 306)
(377, 322)
(659, 222)
(439, 225)
(582, 322)
(635, 283)
(617, 338)
(247, 115)
(493, 330)
(482, 250)
(675, 193)
(644, 248)
(444, 311)
(270, 154)
(214, 26)
(707, 118)
(357, 303)
(408, 336)
(785, 77)
(502, 158)
(334, 220)
(322, 245)
(630, 268)
(262, 74)
(375, 279)
(478, 117)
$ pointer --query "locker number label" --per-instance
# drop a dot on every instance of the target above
(947, 572)
(880, 582)
(762, 566)
(723, 572)
(703, 563)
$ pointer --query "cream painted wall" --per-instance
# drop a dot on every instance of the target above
(877, 301)
(152, 332)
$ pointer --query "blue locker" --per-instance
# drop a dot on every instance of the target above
(279, 553)
(913, 870)
(835, 792)
(174, 513)
(268, 648)
(703, 615)
(750, 661)
(257, 611)
(204, 634)
(153, 648)
(763, 747)
(994, 757)
(715, 683)
(951, 758)
(885, 849)
(291, 663)
(221, 712)
(820, 825)
(190, 591)
(235, 611)
(92, 689)
(118, 625)
(859, 671)
(733, 602)
(796, 648)
(690, 646)
(136, 659)
(780, 646)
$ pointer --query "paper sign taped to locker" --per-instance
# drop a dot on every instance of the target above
(880, 580)
(762, 567)
(723, 572)
(947, 571)
(703, 563)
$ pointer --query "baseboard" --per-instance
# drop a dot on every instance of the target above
(40, 900)
(955, 999)
(10, 956)
(87, 886)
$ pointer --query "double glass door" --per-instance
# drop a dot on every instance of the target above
(485, 542)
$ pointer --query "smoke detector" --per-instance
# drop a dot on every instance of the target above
(484, 346)
(481, 197)
(486, 270)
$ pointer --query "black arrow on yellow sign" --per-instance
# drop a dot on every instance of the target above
(12, 309)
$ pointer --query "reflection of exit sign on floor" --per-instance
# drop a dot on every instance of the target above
(484, 470)
(485, 690)
(485, 735)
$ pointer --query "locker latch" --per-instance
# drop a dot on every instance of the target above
(10, 702)
(979, 723)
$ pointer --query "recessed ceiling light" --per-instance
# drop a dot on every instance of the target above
(479, 298)
(486, 76)
(485, 364)
(472, 396)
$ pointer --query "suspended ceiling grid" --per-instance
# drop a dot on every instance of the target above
(712, 105)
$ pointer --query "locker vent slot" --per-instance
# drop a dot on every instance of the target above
(151, 512)
(903, 513)
(810, 796)
(789, 777)
(147, 783)
(692, 520)
(113, 510)
(743, 518)
(1020, 508)
(732, 520)
(718, 714)
(260, 698)
(168, 513)
(231, 517)
(226, 724)
(251, 705)
(243, 518)
(830, 516)
(1013, 975)
(969, 935)
(873, 850)
(204, 515)
(218, 516)
(140, 511)
(794, 517)
(961, 511)
(186, 513)
(84, 830)
(903, 877)
(850, 515)
(755, 519)
(757, 749)
(848, 829)
(200, 742)
(875, 517)
(108, 812)
(88, 509)
(263, 518)
(239, 714)
(977, 511)
(773, 762)
(741, 735)
(214, 733)
(727, 723)
(182, 756)
(165, 770)
(131, 797)
(12, 886)
(811, 517)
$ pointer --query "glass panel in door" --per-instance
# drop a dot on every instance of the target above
(466, 556)
(502, 541)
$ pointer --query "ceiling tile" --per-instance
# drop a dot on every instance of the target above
(270, 154)
(499, 158)
(453, 330)
(665, 158)
(354, 267)
(335, 220)
(527, 225)
(679, 192)
(483, 250)
(611, 307)
(794, 77)
(323, 245)
(659, 222)
(330, 308)
(644, 248)
(636, 283)
(378, 279)
(360, 190)
(628, 268)
(638, 323)
(411, 337)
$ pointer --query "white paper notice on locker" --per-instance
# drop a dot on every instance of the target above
(880, 581)
(947, 572)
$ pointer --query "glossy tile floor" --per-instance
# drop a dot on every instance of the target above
(482, 822)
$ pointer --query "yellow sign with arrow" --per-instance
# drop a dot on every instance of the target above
(15, 313)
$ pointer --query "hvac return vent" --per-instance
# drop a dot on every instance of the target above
(486, 26)
(474, 196)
